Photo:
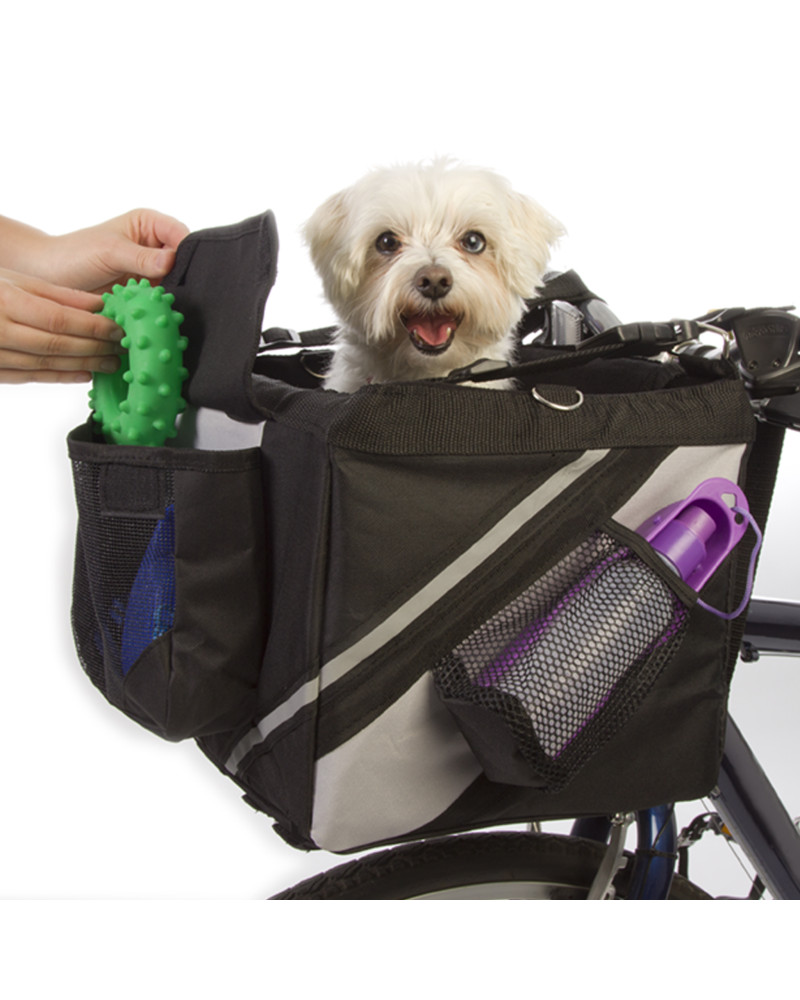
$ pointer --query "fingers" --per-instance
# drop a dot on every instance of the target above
(147, 245)
(116, 259)
(46, 333)
(156, 229)
(23, 366)
(32, 349)
(140, 244)
(146, 262)
(29, 306)
(72, 297)
(19, 377)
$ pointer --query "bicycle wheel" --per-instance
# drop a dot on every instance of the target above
(499, 865)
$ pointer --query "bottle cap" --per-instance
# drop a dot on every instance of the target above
(696, 534)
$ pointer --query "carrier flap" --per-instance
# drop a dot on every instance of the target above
(221, 281)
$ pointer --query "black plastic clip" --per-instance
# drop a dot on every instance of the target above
(769, 345)
(482, 370)
(647, 338)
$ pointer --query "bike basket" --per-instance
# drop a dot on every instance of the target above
(427, 608)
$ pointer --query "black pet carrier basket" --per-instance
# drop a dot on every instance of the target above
(421, 607)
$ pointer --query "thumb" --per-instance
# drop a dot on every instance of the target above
(152, 262)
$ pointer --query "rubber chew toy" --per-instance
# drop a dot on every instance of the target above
(139, 403)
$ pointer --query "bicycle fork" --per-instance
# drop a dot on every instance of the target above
(655, 857)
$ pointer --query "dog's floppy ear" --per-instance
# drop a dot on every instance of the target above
(327, 235)
(533, 233)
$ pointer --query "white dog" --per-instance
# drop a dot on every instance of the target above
(427, 268)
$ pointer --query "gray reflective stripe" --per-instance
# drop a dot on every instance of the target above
(306, 695)
(395, 775)
(433, 591)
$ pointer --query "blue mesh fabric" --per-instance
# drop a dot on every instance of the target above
(150, 611)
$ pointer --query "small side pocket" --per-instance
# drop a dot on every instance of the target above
(550, 678)
(169, 607)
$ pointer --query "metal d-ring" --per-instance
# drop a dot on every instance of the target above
(728, 339)
(557, 406)
(302, 359)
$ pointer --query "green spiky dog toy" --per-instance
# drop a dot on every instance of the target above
(139, 403)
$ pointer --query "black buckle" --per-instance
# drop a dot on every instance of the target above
(768, 342)
(482, 370)
(647, 338)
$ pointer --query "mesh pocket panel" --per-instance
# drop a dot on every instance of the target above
(564, 665)
(151, 604)
(124, 592)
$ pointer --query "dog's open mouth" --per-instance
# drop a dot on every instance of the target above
(431, 333)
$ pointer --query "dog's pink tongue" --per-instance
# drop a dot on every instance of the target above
(434, 330)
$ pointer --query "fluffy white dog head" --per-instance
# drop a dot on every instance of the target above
(427, 268)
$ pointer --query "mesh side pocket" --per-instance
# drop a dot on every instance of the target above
(548, 680)
(169, 604)
(124, 590)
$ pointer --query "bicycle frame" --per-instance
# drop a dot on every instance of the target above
(755, 815)
(744, 798)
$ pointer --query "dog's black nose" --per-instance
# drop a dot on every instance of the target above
(433, 281)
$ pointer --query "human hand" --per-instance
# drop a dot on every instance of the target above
(139, 244)
(53, 334)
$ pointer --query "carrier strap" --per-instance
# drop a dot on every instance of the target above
(640, 340)
(562, 287)
(277, 336)
(762, 471)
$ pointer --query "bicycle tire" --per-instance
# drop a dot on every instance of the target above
(501, 865)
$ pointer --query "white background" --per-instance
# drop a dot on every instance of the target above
(662, 135)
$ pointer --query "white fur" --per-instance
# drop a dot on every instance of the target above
(429, 209)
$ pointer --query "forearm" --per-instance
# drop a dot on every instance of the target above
(61, 260)
(22, 248)
(139, 243)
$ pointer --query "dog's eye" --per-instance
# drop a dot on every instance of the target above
(387, 243)
(473, 242)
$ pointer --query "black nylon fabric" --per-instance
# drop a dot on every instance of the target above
(440, 419)
(221, 280)
(351, 505)
(356, 700)
(441, 508)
